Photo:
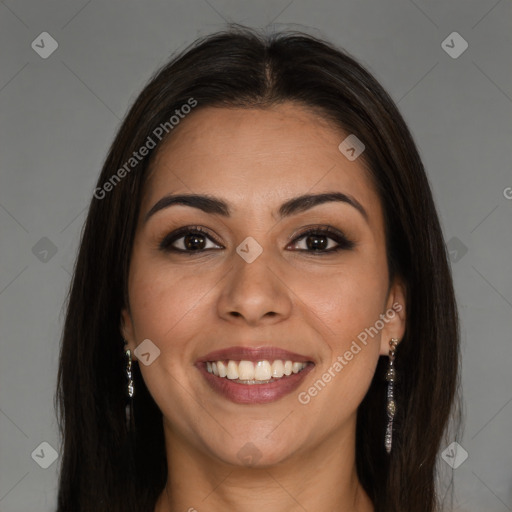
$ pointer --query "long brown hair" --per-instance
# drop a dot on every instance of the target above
(104, 467)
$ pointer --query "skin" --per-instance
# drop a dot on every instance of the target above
(316, 305)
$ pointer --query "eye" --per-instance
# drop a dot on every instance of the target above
(188, 240)
(322, 240)
(194, 239)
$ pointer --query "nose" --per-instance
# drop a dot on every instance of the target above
(254, 293)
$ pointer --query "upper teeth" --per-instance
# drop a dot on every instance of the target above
(247, 370)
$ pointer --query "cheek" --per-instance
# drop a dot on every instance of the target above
(346, 301)
(345, 305)
(163, 300)
(167, 307)
(343, 377)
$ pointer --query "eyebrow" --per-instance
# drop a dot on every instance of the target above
(210, 204)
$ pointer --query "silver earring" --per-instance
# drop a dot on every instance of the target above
(129, 405)
(391, 404)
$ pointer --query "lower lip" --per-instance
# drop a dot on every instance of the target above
(254, 393)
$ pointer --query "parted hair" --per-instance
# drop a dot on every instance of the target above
(105, 467)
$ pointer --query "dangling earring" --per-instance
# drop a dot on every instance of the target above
(391, 404)
(129, 405)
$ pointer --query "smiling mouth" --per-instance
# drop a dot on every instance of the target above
(254, 374)
(258, 372)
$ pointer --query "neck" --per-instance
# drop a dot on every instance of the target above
(319, 479)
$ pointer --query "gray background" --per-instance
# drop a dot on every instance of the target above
(59, 116)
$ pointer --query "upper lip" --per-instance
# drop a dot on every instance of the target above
(254, 354)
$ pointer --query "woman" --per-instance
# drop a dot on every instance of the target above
(262, 278)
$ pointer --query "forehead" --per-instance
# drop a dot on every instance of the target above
(257, 158)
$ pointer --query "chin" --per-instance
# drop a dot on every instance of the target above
(254, 454)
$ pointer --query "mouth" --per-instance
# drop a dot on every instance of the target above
(259, 372)
(254, 375)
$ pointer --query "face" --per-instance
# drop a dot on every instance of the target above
(255, 272)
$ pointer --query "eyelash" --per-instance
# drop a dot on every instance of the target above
(165, 244)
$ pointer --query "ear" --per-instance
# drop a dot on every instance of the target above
(127, 331)
(394, 316)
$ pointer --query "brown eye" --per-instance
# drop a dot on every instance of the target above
(194, 242)
(317, 242)
(322, 241)
(188, 240)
